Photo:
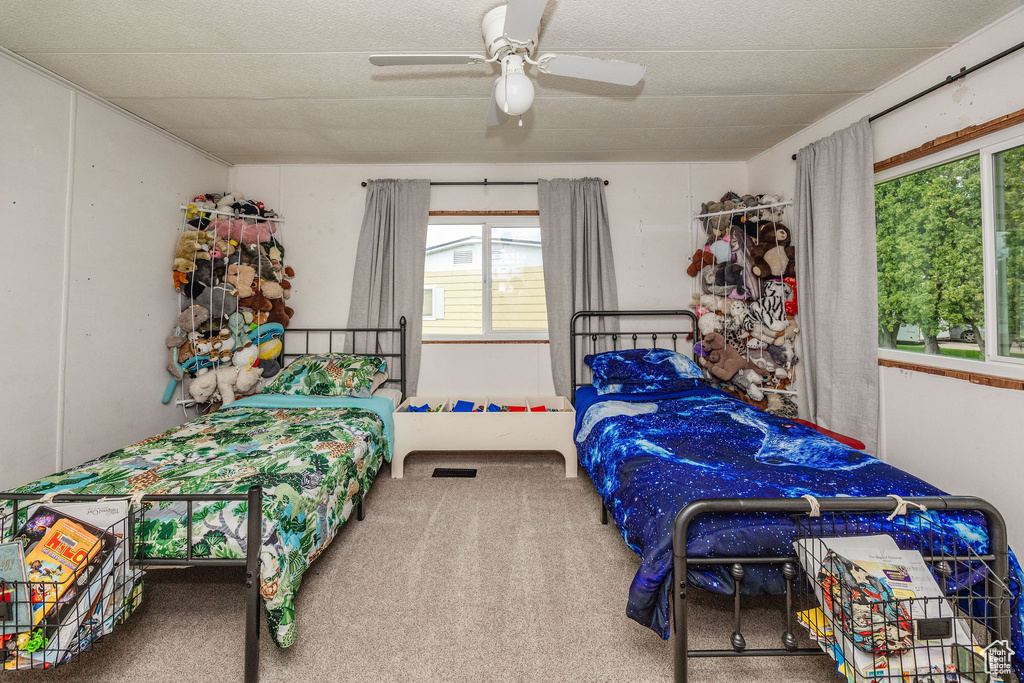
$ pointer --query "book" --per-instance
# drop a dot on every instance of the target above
(15, 613)
(67, 562)
(904, 577)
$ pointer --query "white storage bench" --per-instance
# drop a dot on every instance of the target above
(485, 430)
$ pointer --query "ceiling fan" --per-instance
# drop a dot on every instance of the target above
(510, 36)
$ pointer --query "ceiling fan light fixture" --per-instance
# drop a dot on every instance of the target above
(514, 93)
(514, 90)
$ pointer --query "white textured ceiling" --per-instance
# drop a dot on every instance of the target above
(288, 81)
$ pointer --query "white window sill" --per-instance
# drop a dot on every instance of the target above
(1009, 370)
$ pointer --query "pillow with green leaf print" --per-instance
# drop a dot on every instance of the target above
(328, 374)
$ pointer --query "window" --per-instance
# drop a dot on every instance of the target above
(1008, 189)
(433, 302)
(484, 279)
(950, 242)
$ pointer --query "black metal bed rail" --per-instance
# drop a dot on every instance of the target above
(137, 558)
(996, 578)
(376, 348)
(612, 339)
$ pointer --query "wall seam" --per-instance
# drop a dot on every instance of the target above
(66, 288)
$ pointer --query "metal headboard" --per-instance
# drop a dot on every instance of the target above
(385, 342)
(615, 336)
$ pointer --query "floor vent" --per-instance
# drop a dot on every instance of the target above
(462, 472)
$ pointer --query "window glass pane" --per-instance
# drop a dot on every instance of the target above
(517, 280)
(454, 267)
(1009, 214)
(930, 268)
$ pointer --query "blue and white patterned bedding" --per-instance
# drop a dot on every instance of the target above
(651, 455)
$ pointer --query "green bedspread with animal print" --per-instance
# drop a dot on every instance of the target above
(313, 463)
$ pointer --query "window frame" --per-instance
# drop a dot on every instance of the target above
(985, 148)
(488, 334)
(434, 303)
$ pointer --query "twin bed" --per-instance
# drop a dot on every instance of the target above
(704, 486)
(306, 462)
(699, 484)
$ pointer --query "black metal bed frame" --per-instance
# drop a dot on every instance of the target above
(583, 340)
(253, 497)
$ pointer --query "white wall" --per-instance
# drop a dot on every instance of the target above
(88, 213)
(649, 208)
(962, 437)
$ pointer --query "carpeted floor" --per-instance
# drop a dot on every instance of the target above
(506, 577)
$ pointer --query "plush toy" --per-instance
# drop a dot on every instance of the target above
(270, 349)
(771, 214)
(747, 380)
(256, 302)
(188, 322)
(770, 309)
(241, 277)
(709, 322)
(725, 360)
(270, 368)
(272, 289)
(193, 245)
(220, 299)
(244, 231)
(183, 265)
(715, 226)
(773, 257)
(782, 406)
(791, 306)
(279, 313)
(255, 256)
(723, 279)
(742, 246)
(236, 323)
(700, 259)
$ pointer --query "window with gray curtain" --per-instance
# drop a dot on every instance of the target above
(387, 282)
(834, 211)
(579, 271)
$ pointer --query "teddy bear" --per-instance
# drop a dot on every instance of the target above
(241, 277)
(256, 302)
(725, 360)
(193, 245)
(773, 256)
(700, 259)
(279, 313)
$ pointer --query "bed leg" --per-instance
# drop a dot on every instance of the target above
(253, 543)
(604, 514)
(679, 611)
(359, 510)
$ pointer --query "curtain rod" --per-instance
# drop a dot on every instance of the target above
(964, 71)
(485, 182)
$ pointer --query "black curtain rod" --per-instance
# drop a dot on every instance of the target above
(484, 182)
(964, 71)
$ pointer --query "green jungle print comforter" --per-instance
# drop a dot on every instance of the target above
(314, 465)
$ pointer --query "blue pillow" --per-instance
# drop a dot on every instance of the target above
(655, 386)
(641, 366)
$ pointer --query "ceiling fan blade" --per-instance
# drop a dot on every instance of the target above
(495, 116)
(603, 70)
(416, 60)
(522, 17)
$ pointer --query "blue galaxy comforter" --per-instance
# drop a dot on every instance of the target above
(650, 456)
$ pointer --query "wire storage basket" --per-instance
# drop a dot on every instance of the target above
(902, 598)
(67, 577)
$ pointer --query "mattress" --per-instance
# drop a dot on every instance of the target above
(314, 457)
(651, 455)
(390, 393)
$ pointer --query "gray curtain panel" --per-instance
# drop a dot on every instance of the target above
(834, 212)
(579, 272)
(388, 278)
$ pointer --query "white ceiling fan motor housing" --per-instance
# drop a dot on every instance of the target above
(493, 30)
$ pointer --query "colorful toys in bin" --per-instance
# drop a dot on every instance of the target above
(229, 269)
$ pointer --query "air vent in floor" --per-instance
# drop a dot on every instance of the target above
(461, 472)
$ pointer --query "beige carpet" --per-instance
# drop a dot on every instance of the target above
(506, 577)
